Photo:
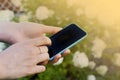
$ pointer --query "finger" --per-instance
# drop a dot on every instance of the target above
(43, 63)
(37, 69)
(66, 52)
(39, 41)
(37, 29)
(43, 49)
(51, 29)
(41, 58)
(56, 58)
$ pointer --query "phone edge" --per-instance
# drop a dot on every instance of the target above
(69, 46)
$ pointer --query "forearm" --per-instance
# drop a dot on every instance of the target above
(3, 73)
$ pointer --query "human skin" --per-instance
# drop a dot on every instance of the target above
(20, 54)
(21, 59)
(16, 32)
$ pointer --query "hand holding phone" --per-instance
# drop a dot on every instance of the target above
(65, 39)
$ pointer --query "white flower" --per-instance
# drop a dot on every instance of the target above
(17, 3)
(92, 65)
(43, 13)
(6, 15)
(2, 46)
(98, 47)
(91, 77)
(80, 59)
(59, 61)
(102, 70)
(116, 59)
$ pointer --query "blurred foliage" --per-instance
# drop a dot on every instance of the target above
(67, 15)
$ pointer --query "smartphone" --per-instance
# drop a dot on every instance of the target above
(65, 39)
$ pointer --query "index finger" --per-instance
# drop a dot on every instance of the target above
(51, 29)
(38, 29)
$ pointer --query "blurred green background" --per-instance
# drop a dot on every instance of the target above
(100, 19)
(100, 50)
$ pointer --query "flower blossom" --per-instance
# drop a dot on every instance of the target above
(6, 15)
(2, 46)
(91, 77)
(98, 47)
(102, 70)
(43, 13)
(80, 59)
(92, 65)
(116, 59)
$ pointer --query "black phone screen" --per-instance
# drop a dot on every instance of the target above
(65, 38)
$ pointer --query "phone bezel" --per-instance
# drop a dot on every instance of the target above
(71, 45)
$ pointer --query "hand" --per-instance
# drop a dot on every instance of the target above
(17, 32)
(21, 59)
